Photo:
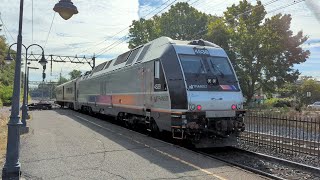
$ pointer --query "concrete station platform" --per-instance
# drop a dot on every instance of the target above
(63, 144)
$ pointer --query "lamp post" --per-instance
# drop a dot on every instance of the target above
(43, 62)
(28, 79)
(11, 168)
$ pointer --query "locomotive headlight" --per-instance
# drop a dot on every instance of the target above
(192, 107)
(233, 107)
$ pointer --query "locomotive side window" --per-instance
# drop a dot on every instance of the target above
(159, 80)
(157, 69)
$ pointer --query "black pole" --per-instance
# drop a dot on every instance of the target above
(11, 168)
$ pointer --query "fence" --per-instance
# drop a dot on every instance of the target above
(290, 134)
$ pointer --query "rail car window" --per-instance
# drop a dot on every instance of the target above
(133, 55)
(122, 58)
(59, 91)
(192, 64)
(220, 65)
(69, 90)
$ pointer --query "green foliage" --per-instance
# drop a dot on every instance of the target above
(264, 52)
(143, 31)
(6, 94)
(62, 80)
(312, 86)
(181, 22)
(270, 102)
(74, 74)
(1, 104)
(6, 75)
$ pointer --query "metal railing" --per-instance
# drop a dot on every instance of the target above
(289, 134)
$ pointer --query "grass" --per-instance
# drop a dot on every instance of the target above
(3, 134)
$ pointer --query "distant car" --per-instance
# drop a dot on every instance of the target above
(315, 105)
(40, 106)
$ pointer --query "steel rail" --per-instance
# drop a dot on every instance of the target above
(293, 164)
(248, 168)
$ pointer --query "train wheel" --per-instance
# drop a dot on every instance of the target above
(154, 129)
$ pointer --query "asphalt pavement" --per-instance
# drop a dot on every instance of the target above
(63, 144)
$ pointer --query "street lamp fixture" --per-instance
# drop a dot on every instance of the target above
(8, 58)
(66, 9)
(11, 168)
(43, 62)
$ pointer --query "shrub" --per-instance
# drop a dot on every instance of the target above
(6, 94)
(282, 103)
(270, 102)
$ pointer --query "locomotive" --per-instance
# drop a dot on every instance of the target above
(187, 88)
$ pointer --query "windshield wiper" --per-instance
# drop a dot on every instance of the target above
(217, 69)
(199, 70)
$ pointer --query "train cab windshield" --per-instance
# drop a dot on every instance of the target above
(192, 64)
(219, 66)
(208, 72)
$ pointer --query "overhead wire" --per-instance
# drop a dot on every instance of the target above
(101, 42)
(106, 50)
(45, 44)
(248, 11)
(288, 5)
(5, 28)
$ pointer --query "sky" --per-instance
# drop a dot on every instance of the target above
(100, 26)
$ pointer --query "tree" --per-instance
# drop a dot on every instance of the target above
(74, 74)
(62, 80)
(181, 22)
(264, 52)
(309, 85)
(6, 74)
(143, 31)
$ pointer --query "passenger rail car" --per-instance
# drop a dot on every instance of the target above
(188, 88)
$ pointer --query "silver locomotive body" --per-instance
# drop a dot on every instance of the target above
(187, 88)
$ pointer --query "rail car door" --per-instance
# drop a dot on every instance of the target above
(62, 92)
(75, 106)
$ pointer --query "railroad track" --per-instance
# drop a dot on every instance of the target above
(269, 166)
(285, 143)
